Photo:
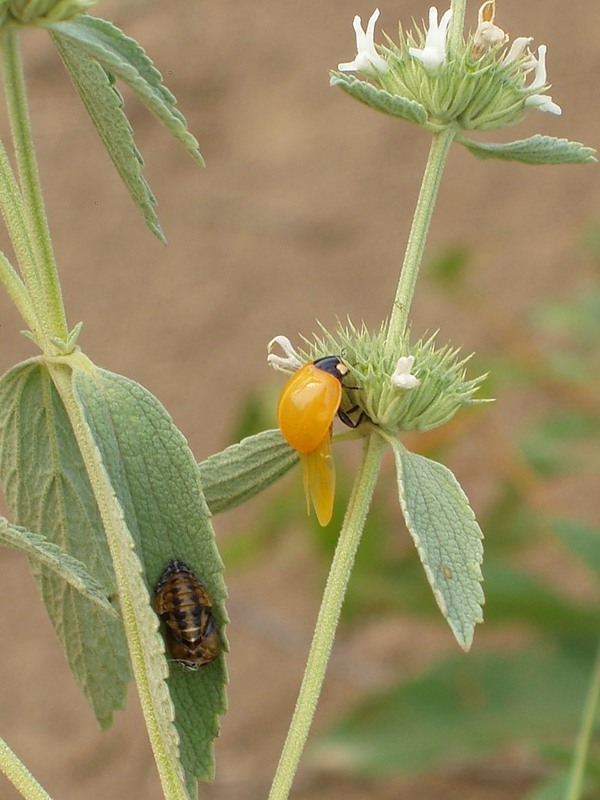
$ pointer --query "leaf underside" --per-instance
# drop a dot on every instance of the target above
(379, 99)
(447, 536)
(47, 489)
(104, 104)
(95, 54)
(536, 149)
(156, 480)
(241, 471)
(46, 553)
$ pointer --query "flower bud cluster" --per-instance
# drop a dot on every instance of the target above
(481, 86)
(418, 389)
(38, 12)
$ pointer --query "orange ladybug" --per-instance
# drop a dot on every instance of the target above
(307, 406)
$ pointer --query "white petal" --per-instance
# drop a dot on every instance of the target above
(540, 69)
(368, 60)
(518, 48)
(543, 102)
(289, 361)
(433, 54)
(402, 377)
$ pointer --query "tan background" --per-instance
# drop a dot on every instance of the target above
(302, 213)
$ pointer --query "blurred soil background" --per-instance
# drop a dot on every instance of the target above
(301, 214)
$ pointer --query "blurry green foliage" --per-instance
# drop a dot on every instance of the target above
(467, 707)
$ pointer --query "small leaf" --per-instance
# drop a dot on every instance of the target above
(461, 710)
(123, 57)
(447, 536)
(379, 99)
(105, 107)
(45, 553)
(239, 472)
(157, 482)
(47, 489)
(535, 150)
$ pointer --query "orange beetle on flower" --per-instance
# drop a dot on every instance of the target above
(307, 406)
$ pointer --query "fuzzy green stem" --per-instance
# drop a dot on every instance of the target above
(18, 774)
(17, 291)
(417, 238)
(329, 614)
(457, 24)
(577, 775)
(51, 313)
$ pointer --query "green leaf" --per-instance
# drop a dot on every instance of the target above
(49, 555)
(379, 99)
(239, 472)
(123, 57)
(157, 482)
(447, 536)
(463, 709)
(105, 107)
(534, 150)
(47, 489)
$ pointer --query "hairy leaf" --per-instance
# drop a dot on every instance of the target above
(123, 57)
(239, 472)
(447, 537)
(104, 104)
(47, 489)
(537, 149)
(43, 552)
(157, 482)
(379, 99)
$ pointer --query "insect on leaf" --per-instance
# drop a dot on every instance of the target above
(156, 480)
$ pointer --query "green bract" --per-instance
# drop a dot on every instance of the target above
(38, 12)
(442, 391)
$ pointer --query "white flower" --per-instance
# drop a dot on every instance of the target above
(517, 49)
(543, 102)
(487, 36)
(402, 377)
(289, 361)
(368, 60)
(433, 54)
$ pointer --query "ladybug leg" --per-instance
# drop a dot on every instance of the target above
(347, 419)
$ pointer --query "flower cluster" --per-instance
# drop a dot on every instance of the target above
(34, 12)
(483, 85)
(418, 390)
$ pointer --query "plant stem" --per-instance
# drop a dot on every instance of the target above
(576, 777)
(51, 313)
(457, 24)
(18, 774)
(417, 238)
(329, 614)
